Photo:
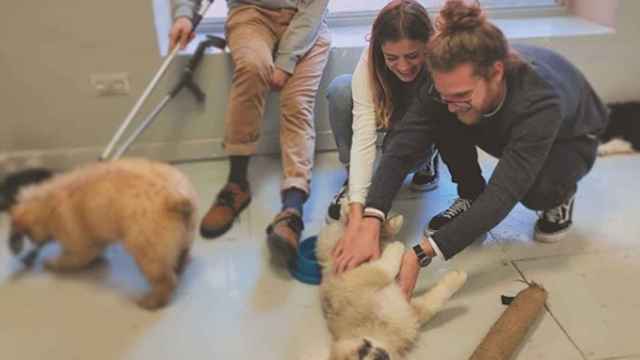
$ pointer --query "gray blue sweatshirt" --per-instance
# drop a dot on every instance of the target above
(549, 101)
(300, 36)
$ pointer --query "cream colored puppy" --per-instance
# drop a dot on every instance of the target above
(367, 313)
(149, 207)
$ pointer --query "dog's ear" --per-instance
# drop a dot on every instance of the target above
(16, 242)
(393, 224)
(17, 231)
(21, 223)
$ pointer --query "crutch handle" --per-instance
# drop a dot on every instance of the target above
(211, 40)
(190, 69)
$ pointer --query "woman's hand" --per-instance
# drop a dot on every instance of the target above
(181, 32)
(360, 243)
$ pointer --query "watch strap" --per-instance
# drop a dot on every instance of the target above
(423, 259)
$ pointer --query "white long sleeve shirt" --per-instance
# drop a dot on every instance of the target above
(363, 147)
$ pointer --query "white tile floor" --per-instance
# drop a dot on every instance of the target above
(232, 305)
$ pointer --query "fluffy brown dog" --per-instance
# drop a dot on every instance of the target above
(149, 206)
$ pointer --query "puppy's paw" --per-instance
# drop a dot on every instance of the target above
(454, 280)
(152, 302)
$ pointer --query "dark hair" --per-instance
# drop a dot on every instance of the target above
(399, 19)
(464, 35)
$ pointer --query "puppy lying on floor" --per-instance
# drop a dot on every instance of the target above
(367, 313)
(149, 206)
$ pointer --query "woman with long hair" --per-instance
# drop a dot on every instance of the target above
(372, 100)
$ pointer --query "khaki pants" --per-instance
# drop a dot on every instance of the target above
(253, 34)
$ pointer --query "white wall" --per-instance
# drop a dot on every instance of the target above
(603, 12)
(52, 114)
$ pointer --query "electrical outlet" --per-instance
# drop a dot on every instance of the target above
(111, 84)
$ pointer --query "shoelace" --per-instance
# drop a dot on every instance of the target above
(458, 206)
(226, 198)
(558, 214)
(427, 168)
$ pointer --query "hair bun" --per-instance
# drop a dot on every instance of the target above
(457, 16)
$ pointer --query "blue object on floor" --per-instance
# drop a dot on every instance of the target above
(306, 268)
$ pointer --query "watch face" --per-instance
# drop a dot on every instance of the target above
(425, 261)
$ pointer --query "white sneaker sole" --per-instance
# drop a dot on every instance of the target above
(547, 238)
(424, 188)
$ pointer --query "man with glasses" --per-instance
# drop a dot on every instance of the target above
(525, 105)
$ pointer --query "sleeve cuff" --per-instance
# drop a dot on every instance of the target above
(357, 198)
(183, 11)
(285, 63)
(434, 246)
(373, 212)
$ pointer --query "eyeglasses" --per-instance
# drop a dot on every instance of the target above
(463, 105)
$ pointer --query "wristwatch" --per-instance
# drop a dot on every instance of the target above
(423, 259)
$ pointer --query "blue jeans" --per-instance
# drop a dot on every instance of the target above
(341, 115)
(340, 101)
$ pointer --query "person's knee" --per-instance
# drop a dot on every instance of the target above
(548, 194)
(339, 92)
(252, 69)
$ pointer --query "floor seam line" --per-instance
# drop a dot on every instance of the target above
(555, 319)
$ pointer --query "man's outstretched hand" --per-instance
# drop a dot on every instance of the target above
(409, 271)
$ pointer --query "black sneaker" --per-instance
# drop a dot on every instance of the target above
(333, 212)
(554, 223)
(427, 176)
(459, 206)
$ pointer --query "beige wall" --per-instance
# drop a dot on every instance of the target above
(51, 112)
(601, 11)
(49, 50)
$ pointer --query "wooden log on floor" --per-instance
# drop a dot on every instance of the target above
(509, 330)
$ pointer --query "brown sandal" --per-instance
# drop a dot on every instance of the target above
(282, 233)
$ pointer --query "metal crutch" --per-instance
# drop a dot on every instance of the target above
(185, 81)
(154, 82)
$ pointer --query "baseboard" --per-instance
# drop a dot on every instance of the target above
(208, 149)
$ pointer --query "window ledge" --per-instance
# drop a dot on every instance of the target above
(529, 28)
(350, 36)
